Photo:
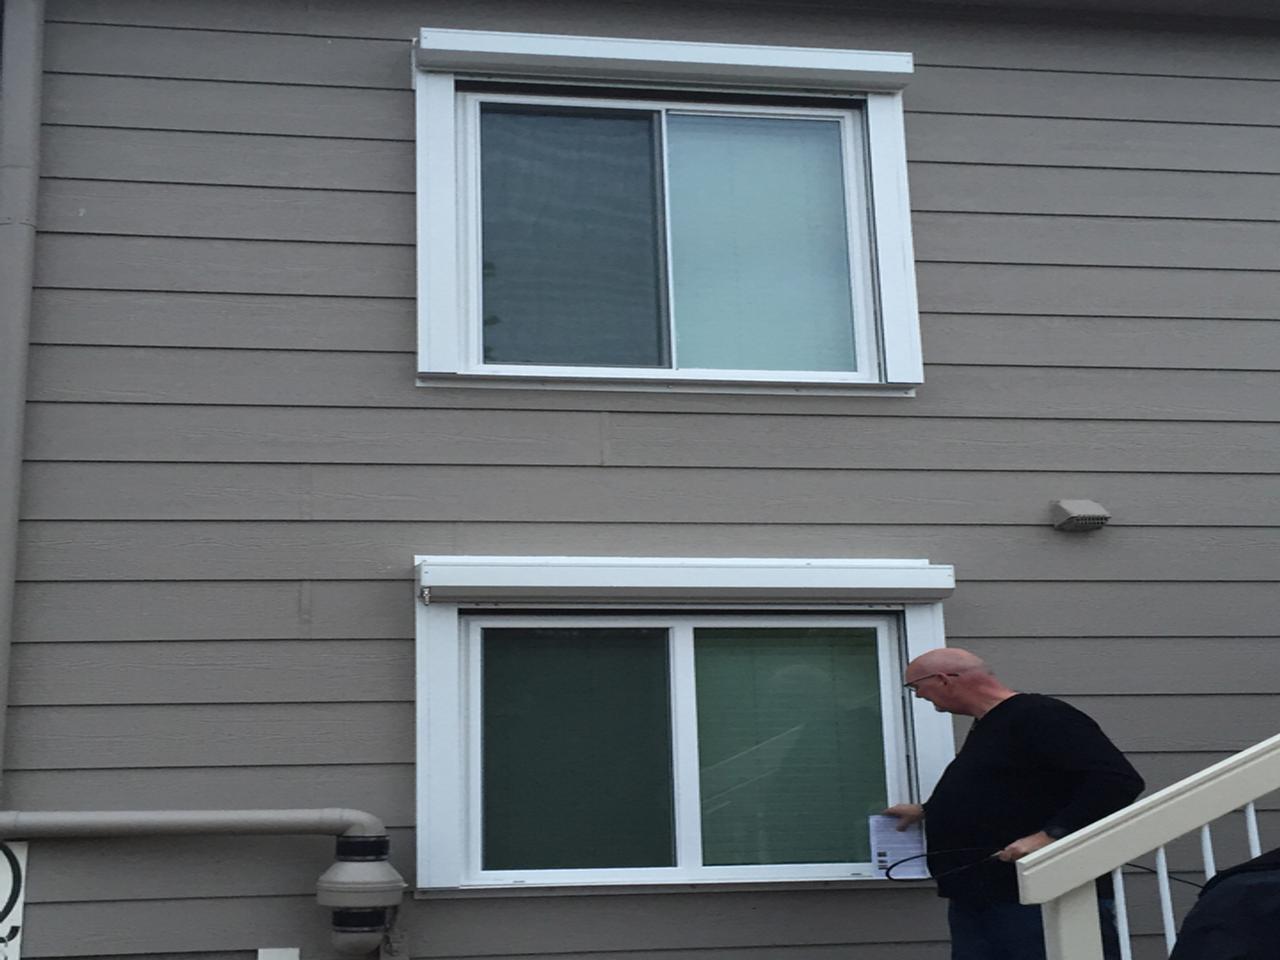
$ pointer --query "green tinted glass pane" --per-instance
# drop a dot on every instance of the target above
(789, 743)
(576, 748)
(573, 269)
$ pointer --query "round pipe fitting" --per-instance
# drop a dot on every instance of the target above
(362, 888)
(359, 932)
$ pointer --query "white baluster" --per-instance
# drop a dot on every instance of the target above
(1166, 899)
(1122, 914)
(1206, 852)
(1251, 827)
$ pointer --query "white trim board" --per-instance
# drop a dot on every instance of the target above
(457, 578)
(614, 58)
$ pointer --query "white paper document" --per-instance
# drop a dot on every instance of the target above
(889, 845)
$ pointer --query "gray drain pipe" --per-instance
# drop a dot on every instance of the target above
(361, 887)
(20, 66)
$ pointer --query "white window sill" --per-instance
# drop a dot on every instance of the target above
(616, 889)
(654, 385)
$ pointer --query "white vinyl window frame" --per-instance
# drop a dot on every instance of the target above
(854, 188)
(459, 596)
(689, 867)
(886, 313)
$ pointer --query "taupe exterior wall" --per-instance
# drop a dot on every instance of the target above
(229, 466)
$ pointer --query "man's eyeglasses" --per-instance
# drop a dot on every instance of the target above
(912, 684)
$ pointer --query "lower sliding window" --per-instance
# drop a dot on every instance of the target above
(695, 744)
(667, 720)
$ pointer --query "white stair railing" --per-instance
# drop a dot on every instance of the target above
(1061, 875)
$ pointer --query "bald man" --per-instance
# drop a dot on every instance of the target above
(1032, 769)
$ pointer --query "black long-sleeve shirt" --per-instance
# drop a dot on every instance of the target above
(1030, 763)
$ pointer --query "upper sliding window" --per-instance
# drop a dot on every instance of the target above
(698, 238)
(662, 213)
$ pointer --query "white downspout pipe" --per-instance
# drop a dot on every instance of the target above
(20, 67)
(361, 887)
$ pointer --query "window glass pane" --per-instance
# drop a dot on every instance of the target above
(789, 743)
(572, 262)
(576, 748)
(759, 244)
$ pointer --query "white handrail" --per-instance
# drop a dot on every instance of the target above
(1101, 847)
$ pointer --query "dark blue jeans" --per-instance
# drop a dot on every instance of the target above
(1013, 931)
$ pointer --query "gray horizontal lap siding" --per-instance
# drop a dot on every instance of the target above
(471, 492)
(230, 467)
(84, 610)
(283, 867)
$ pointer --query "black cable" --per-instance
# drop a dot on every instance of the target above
(1190, 883)
(888, 871)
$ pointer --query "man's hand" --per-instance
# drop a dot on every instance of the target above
(1020, 848)
(907, 814)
